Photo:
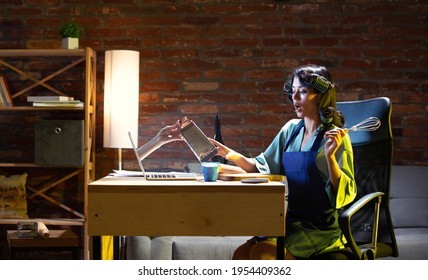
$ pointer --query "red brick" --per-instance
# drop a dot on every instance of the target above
(159, 86)
(281, 42)
(221, 9)
(240, 19)
(155, 109)
(200, 86)
(161, 20)
(165, 42)
(184, 75)
(261, 7)
(223, 74)
(201, 42)
(202, 20)
(198, 109)
(180, 53)
(180, 98)
(241, 42)
(149, 76)
(227, 98)
(181, 9)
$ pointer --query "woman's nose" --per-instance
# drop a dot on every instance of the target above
(296, 94)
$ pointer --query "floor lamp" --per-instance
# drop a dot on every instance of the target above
(121, 87)
(121, 106)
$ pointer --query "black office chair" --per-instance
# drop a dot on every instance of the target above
(367, 223)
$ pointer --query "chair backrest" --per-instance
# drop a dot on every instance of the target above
(373, 152)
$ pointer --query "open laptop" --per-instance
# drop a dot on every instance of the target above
(158, 175)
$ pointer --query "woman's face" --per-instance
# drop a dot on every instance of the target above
(305, 100)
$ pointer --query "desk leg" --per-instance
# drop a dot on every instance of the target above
(116, 247)
(96, 247)
(280, 248)
(122, 248)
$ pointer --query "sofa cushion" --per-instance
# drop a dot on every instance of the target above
(412, 243)
(409, 212)
(409, 196)
(161, 248)
(206, 247)
(138, 247)
(183, 247)
(13, 196)
(149, 248)
(409, 182)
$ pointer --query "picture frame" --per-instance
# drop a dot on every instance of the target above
(5, 97)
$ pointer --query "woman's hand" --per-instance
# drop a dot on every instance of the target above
(222, 150)
(335, 138)
(245, 164)
(171, 133)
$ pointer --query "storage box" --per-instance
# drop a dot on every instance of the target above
(59, 142)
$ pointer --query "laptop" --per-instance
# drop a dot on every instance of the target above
(157, 175)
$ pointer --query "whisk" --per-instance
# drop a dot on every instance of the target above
(369, 124)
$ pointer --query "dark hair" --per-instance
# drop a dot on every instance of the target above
(319, 79)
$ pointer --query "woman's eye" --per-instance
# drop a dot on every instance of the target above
(302, 90)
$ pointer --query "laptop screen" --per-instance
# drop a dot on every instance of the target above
(198, 142)
(161, 175)
(136, 153)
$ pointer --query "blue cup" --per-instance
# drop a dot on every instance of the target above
(210, 171)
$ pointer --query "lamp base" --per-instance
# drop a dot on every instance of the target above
(119, 150)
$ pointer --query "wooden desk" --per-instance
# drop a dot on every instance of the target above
(130, 206)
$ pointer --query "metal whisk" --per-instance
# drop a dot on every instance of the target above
(369, 124)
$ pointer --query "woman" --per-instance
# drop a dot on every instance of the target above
(316, 156)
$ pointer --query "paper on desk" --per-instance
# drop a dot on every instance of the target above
(132, 173)
(127, 173)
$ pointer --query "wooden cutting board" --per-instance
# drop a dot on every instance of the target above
(240, 176)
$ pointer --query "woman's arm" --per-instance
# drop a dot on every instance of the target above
(165, 135)
(247, 164)
(335, 138)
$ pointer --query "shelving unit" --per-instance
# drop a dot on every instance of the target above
(86, 173)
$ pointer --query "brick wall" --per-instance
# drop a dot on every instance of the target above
(230, 57)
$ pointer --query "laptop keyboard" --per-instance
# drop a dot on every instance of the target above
(161, 176)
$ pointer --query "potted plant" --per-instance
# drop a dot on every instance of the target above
(70, 33)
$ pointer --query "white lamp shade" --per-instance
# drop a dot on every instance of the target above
(121, 88)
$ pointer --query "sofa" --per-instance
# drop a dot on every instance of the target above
(409, 211)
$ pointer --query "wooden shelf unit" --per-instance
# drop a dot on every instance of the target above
(87, 57)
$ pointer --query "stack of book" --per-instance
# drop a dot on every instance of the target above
(54, 101)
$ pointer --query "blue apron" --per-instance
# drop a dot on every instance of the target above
(312, 222)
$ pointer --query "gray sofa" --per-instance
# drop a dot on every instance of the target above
(409, 211)
(183, 247)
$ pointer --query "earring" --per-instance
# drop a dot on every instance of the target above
(326, 115)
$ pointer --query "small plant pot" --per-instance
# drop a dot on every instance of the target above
(70, 43)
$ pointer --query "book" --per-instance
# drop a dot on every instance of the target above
(49, 98)
(71, 103)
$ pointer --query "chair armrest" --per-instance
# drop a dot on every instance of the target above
(345, 223)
